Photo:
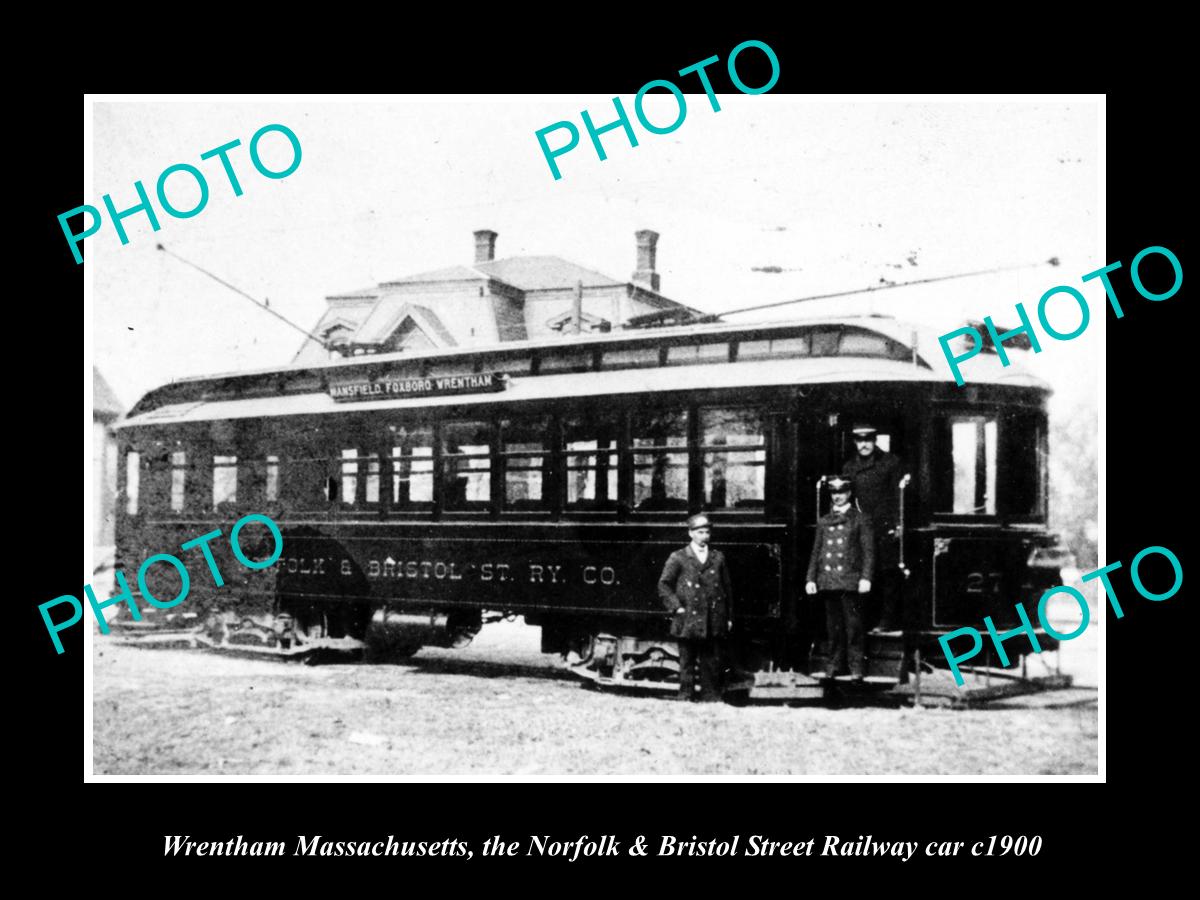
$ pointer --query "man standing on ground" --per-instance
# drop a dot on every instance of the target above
(695, 587)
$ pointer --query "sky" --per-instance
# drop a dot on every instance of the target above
(838, 195)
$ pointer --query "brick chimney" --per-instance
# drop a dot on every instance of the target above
(485, 246)
(647, 243)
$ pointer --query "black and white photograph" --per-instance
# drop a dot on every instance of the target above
(724, 434)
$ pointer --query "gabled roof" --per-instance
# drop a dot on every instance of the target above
(349, 316)
(544, 273)
(337, 322)
(105, 405)
(375, 315)
(450, 273)
(369, 293)
(527, 273)
(391, 312)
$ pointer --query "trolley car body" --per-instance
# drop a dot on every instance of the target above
(422, 495)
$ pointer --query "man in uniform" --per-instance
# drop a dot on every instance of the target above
(695, 587)
(840, 569)
(876, 475)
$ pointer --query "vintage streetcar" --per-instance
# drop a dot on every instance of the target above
(421, 496)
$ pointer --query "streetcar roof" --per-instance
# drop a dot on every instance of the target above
(758, 373)
(902, 332)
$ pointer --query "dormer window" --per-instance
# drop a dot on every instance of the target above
(337, 340)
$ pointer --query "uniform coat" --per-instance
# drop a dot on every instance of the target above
(703, 591)
(876, 487)
(843, 551)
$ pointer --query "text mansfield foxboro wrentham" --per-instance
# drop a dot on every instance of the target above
(586, 846)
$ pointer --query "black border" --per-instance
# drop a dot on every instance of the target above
(1148, 462)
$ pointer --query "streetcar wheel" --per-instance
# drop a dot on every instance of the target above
(215, 628)
(387, 645)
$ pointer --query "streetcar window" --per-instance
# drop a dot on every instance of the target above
(224, 482)
(512, 365)
(178, 480)
(309, 483)
(466, 453)
(271, 488)
(591, 448)
(525, 457)
(462, 365)
(572, 361)
(630, 358)
(361, 475)
(356, 467)
(372, 479)
(856, 342)
(412, 466)
(789, 346)
(973, 456)
(825, 341)
(1023, 464)
(132, 470)
(733, 442)
(691, 354)
(349, 477)
(660, 460)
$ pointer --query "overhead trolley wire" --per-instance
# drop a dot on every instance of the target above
(238, 290)
(713, 317)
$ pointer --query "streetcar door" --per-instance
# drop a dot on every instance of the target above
(832, 447)
(891, 435)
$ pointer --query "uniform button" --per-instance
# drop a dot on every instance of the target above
(839, 568)
(827, 568)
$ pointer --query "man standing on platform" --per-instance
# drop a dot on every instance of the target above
(839, 570)
(876, 475)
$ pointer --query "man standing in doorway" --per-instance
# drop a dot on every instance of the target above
(840, 568)
(695, 587)
(876, 475)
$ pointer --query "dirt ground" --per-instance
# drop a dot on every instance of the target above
(500, 707)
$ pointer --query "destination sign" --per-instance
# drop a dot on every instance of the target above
(387, 388)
